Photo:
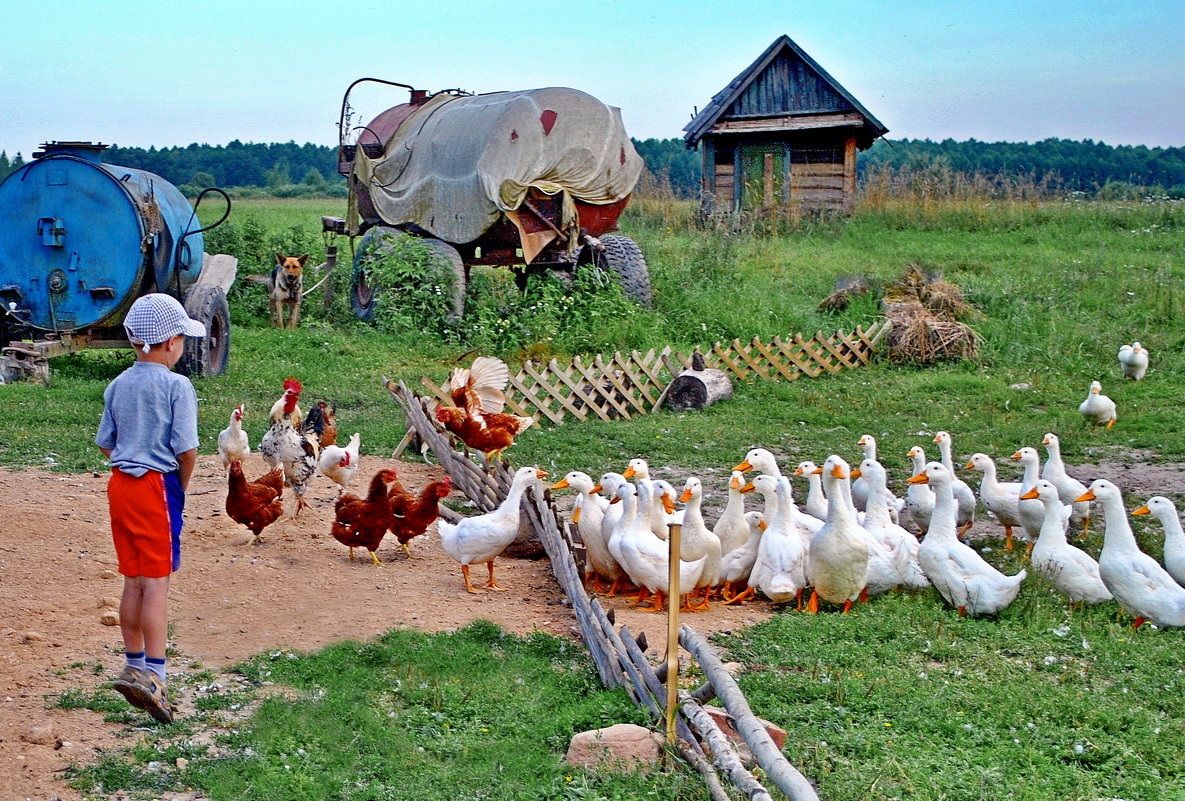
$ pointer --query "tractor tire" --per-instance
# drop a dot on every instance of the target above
(207, 357)
(379, 241)
(623, 259)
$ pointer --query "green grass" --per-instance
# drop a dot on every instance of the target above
(1061, 286)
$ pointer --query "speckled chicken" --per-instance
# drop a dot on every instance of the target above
(285, 443)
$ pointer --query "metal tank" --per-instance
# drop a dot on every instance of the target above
(80, 240)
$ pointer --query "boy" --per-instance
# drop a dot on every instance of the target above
(149, 434)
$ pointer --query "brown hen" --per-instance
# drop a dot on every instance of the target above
(413, 517)
(254, 504)
(363, 522)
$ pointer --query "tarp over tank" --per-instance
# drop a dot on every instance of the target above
(457, 162)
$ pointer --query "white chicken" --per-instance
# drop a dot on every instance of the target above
(1134, 360)
(480, 539)
(233, 445)
(339, 464)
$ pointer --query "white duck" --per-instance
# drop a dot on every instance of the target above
(233, 444)
(838, 560)
(1068, 487)
(659, 514)
(732, 529)
(962, 577)
(816, 501)
(697, 541)
(964, 497)
(1098, 409)
(1032, 513)
(879, 523)
(1174, 538)
(607, 486)
(1142, 587)
(737, 565)
(1133, 359)
(919, 498)
(643, 555)
(999, 498)
(587, 515)
(1072, 571)
(779, 570)
(859, 487)
(481, 538)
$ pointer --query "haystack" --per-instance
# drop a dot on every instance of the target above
(925, 311)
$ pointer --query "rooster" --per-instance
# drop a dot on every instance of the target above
(233, 444)
(255, 504)
(321, 425)
(476, 416)
(363, 522)
(285, 443)
(339, 464)
(415, 516)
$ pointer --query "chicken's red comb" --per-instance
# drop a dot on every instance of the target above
(292, 384)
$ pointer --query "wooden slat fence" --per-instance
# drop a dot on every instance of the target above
(625, 385)
(618, 655)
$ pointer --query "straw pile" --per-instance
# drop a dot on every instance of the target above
(925, 311)
(848, 288)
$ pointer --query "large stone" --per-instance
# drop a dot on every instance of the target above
(43, 733)
(624, 746)
(728, 726)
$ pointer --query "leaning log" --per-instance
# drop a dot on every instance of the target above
(768, 755)
(723, 754)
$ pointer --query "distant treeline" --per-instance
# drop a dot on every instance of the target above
(290, 169)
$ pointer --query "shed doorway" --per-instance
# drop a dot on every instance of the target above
(765, 175)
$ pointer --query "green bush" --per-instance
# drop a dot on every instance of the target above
(413, 284)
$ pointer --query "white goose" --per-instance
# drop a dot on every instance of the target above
(643, 555)
(838, 559)
(816, 501)
(1072, 571)
(999, 498)
(1133, 359)
(1032, 513)
(962, 577)
(964, 497)
(1098, 409)
(658, 514)
(1068, 487)
(737, 565)
(698, 541)
(478, 539)
(1142, 587)
(732, 529)
(587, 514)
(879, 523)
(919, 498)
(1174, 538)
(779, 569)
(859, 487)
(764, 463)
(610, 517)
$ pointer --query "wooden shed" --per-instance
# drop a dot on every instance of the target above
(784, 134)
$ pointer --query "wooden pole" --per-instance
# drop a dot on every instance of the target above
(673, 551)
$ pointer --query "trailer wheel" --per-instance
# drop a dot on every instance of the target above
(207, 357)
(379, 241)
(623, 259)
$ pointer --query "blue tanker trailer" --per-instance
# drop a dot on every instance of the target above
(80, 240)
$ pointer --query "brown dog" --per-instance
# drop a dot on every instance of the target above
(286, 282)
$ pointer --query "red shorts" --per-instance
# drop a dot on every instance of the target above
(146, 522)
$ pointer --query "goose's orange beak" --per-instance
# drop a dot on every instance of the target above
(763, 525)
(615, 499)
(856, 472)
(596, 489)
(743, 467)
(1086, 496)
(748, 488)
(920, 478)
(838, 472)
(685, 497)
(969, 466)
(667, 503)
(734, 483)
(798, 471)
(937, 439)
(1045, 441)
(818, 471)
(1143, 510)
(1031, 495)
(561, 484)
(630, 472)
(540, 473)
(1016, 456)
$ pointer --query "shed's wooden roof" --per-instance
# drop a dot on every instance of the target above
(761, 90)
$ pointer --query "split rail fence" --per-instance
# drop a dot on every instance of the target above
(620, 656)
(627, 385)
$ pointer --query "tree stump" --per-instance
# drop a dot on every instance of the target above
(699, 387)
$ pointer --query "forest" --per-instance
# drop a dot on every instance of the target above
(292, 170)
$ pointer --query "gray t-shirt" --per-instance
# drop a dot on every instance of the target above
(149, 416)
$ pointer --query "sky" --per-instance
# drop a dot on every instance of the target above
(149, 74)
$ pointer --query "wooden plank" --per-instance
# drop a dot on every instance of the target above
(773, 357)
(801, 359)
(552, 391)
(861, 355)
(743, 352)
(849, 174)
(723, 354)
(818, 169)
(440, 394)
(643, 384)
(541, 406)
(820, 359)
(825, 341)
(767, 169)
(611, 377)
(578, 391)
(788, 123)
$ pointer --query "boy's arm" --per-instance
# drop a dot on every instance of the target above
(105, 451)
(185, 464)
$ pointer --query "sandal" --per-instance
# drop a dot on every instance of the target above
(125, 685)
(148, 692)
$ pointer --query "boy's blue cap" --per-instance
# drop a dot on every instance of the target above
(156, 318)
